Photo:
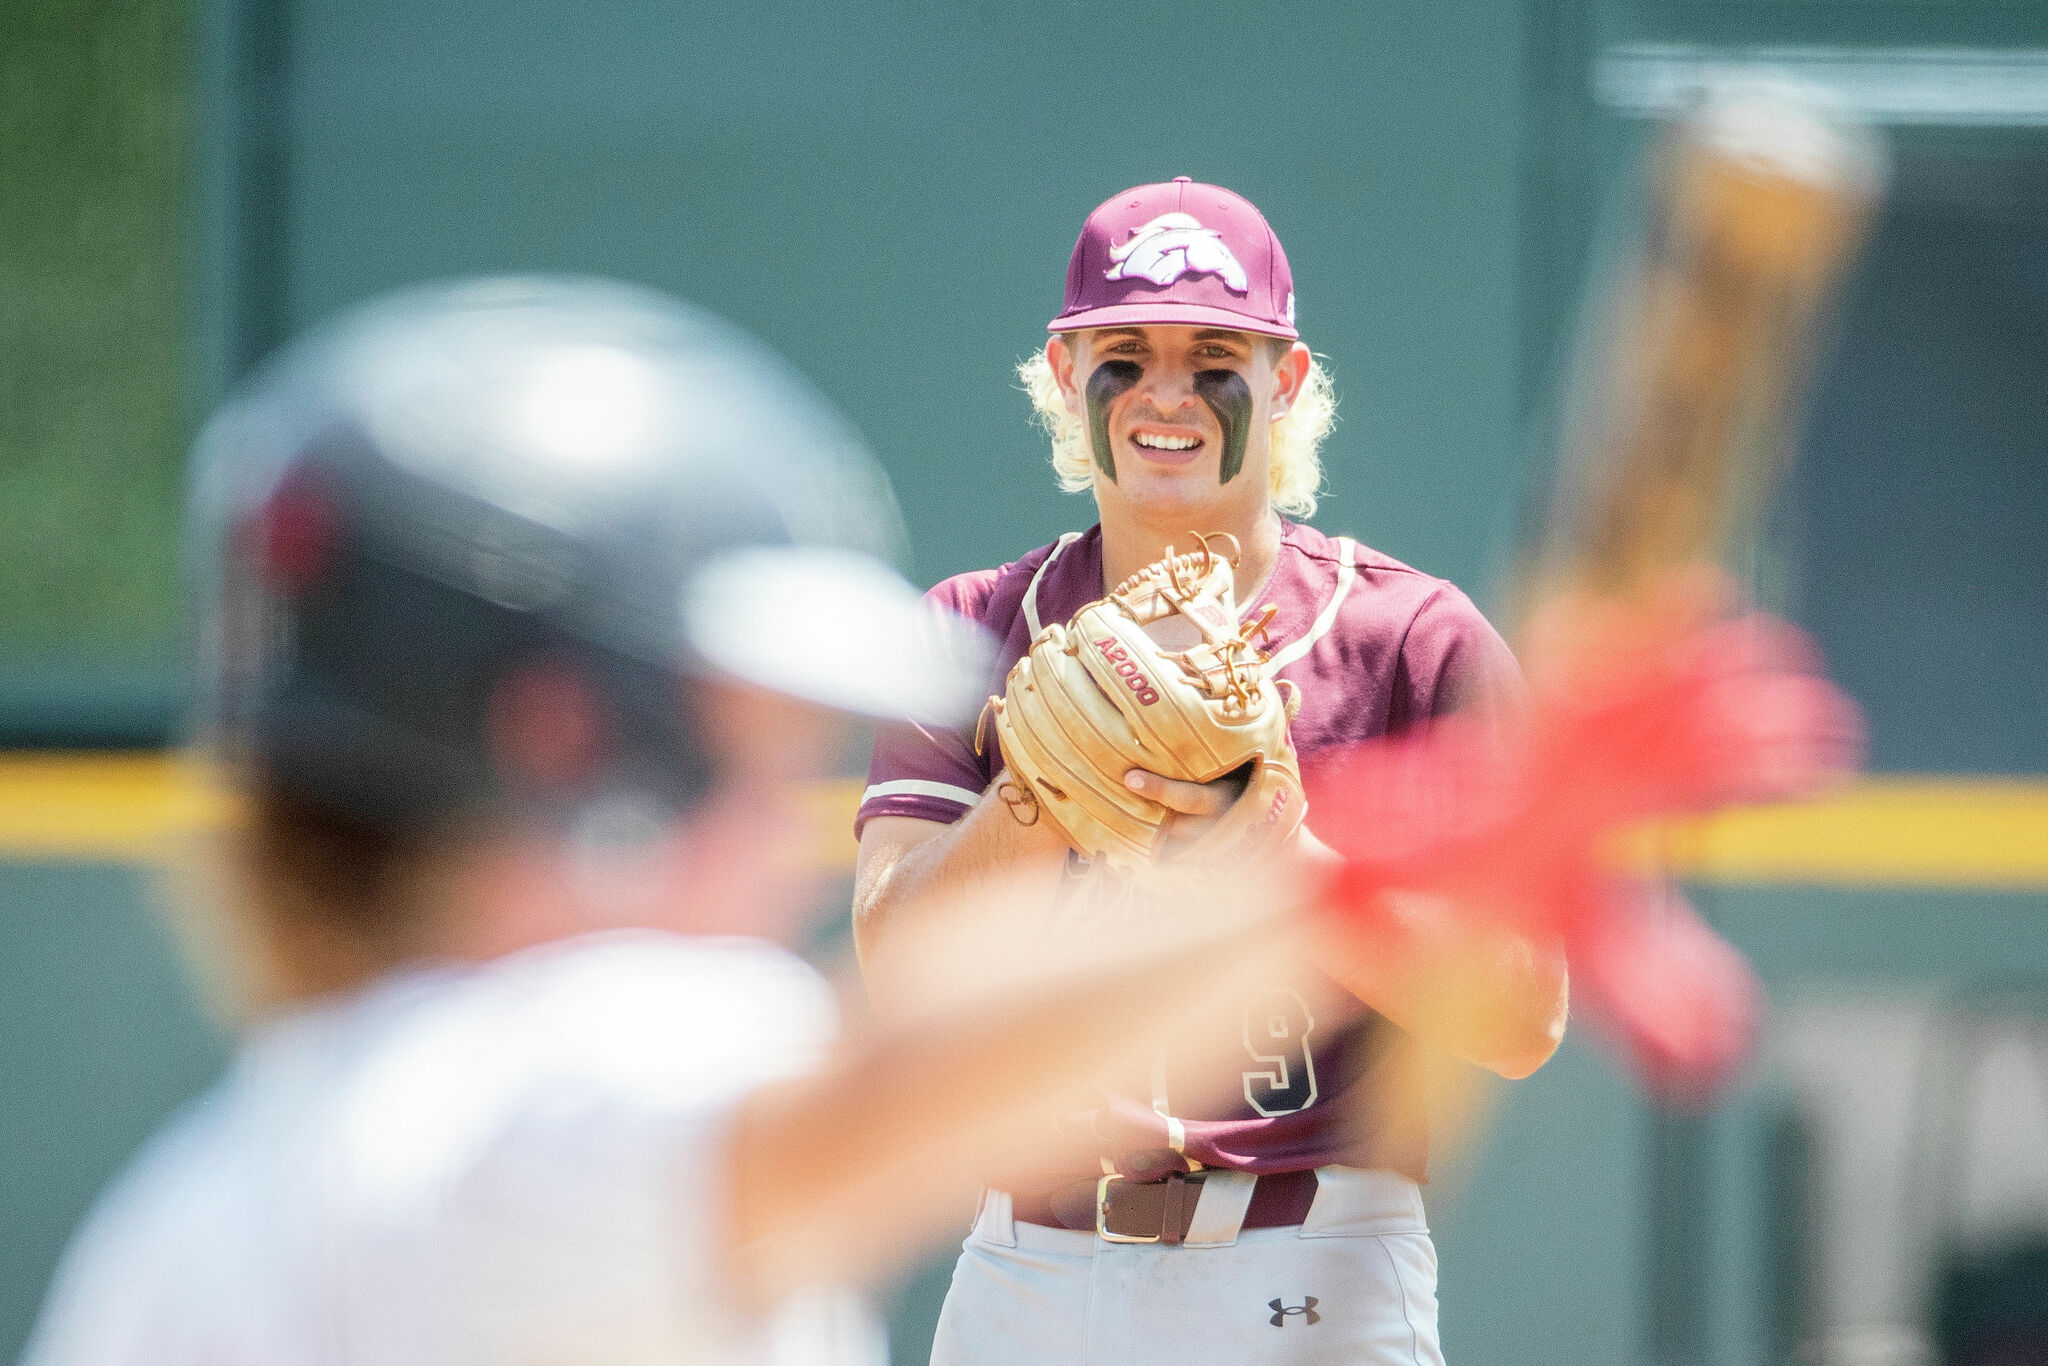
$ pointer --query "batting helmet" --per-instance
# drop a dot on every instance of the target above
(464, 484)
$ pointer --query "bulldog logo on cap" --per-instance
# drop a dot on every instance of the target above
(1172, 245)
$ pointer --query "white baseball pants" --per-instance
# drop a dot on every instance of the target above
(1354, 1284)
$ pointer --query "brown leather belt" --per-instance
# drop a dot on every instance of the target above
(1159, 1211)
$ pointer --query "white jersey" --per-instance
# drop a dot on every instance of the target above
(518, 1162)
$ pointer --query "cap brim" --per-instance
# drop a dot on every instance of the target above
(838, 629)
(1169, 315)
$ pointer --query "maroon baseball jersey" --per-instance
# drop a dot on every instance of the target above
(1372, 645)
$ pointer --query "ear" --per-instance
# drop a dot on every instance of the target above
(1059, 353)
(544, 726)
(1290, 372)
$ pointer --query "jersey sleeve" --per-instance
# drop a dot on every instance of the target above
(129, 1288)
(1452, 658)
(928, 772)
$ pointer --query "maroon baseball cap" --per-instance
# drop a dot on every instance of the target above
(1181, 252)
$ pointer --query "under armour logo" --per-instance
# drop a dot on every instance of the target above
(1281, 1311)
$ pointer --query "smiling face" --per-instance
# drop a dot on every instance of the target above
(1179, 418)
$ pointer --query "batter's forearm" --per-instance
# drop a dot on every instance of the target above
(1475, 988)
(1480, 991)
(839, 1176)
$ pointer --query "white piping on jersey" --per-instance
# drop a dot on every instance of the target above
(918, 787)
(947, 792)
(1347, 574)
(1031, 592)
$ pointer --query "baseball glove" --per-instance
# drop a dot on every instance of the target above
(1103, 694)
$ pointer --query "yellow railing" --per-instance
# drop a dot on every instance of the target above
(1883, 832)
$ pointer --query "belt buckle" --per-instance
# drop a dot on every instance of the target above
(1102, 1215)
(1173, 1212)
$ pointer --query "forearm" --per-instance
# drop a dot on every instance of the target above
(907, 879)
(841, 1175)
(1475, 987)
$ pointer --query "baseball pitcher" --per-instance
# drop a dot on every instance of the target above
(1277, 1217)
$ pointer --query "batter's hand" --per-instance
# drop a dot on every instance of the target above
(1638, 712)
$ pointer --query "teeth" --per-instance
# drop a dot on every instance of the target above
(1167, 443)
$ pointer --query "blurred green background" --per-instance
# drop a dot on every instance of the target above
(887, 192)
(96, 231)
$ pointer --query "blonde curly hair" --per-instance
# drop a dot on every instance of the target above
(1294, 478)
